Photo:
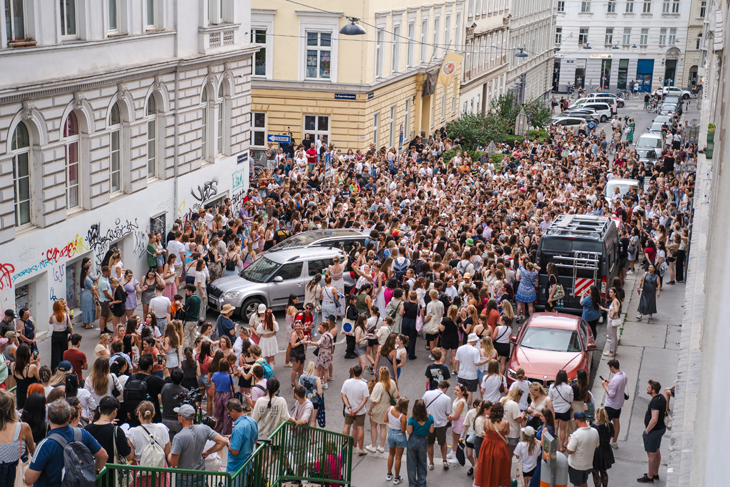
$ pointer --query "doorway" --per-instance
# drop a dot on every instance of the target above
(425, 115)
(580, 73)
(556, 75)
(669, 72)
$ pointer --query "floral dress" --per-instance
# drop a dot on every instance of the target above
(324, 357)
(528, 281)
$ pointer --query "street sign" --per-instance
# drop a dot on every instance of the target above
(345, 96)
(278, 139)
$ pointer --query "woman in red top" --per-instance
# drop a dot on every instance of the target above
(650, 252)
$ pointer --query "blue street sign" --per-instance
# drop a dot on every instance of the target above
(278, 139)
(345, 96)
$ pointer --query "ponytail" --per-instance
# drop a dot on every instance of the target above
(272, 387)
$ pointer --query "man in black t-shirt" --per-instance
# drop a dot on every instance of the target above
(654, 430)
(437, 371)
(154, 387)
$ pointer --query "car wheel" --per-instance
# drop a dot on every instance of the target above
(603, 118)
(249, 307)
(620, 105)
(685, 96)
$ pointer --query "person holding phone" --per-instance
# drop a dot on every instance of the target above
(615, 397)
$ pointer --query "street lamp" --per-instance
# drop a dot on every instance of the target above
(587, 46)
(521, 52)
(352, 29)
(615, 46)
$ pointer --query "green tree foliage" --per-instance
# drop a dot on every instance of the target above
(477, 130)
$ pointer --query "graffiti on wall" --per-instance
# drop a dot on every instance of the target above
(205, 192)
(238, 180)
(68, 251)
(100, 242)
(237, 199)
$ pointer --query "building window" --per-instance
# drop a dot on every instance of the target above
(453, 105)
(470, 11)
(672, 36)
(219, 111)
(376, 128)
(611, 8)
(115, 162)
(71, 149)
(150, 13)
(666, 6)
(479, 104)
(113, 15)
(447, 34)
(151, 138)
(561, 6)
(407, 118)
(629, 6)
(644, 38)
(395, 54)
(379, 40)
(585, 6)
(699, 41)
(391, 136)
(258, 37)
(647, 7)
(609, 36)
(675, 7)
(316, 126)
(319, 45)
(663, 37)
(443, 105)
(204, 126)
(583, 36)
(258, 138)
(14, 20)
(467, 66)
(436, 27)
(411, 43)
(457, 30)
(703, 9)
(558, 35)
(21, 174)
(424, 33)
(68, 18)
(627, 36)
(478, 10)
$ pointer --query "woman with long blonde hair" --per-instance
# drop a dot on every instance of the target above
(384, 392)
(101, 382)
(487, 353)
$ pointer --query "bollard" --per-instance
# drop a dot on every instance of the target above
(560, 477)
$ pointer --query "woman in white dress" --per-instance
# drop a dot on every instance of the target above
(378, 286)
(337, 271)
(329, 294)
(267, 330)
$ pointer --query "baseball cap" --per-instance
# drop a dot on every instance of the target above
(10, 312)
(580, 416)
(529, 431)
(186, 411)
(472, 338)
(262, 308)
(10, 334)
(65, 366)
(332, 318)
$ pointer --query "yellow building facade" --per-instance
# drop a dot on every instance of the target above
(354, 91)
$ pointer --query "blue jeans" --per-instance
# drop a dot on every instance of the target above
(409, 329)
(416, 460)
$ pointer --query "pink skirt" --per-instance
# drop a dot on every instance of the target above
(170, 291)
(457, 425)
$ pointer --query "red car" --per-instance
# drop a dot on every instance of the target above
(550, 342)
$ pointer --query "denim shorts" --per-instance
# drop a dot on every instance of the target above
(396, 439)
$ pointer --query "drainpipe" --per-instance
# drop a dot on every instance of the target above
(177, 118)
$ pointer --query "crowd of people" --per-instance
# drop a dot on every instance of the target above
(450, 260)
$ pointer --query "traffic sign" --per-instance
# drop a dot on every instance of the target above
(278, 139)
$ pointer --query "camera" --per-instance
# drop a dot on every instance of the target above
(192, 397)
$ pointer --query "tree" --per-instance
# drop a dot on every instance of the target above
(505, 108)
(538, 114)
(477, 130)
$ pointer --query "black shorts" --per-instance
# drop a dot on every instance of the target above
(373, 342)
(432, 336)
(564, 417)
(502, 349)
(578, 477)
(531, 473)
(471, 384)
(653, 441)
(612, 413)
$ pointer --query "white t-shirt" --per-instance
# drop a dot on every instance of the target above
(511, 413)
(467, 356)
(490, 384)
(438, 405)
(583, 443)
(561, 396)
(141, 438)
(269, 418)
(525, 386)
(522, 451)
(177, 248)
(160, 305)
(356, 390)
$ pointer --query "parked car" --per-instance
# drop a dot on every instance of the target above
(343, 239)
(649, 147)
(568, 121)
(673, 90)
(548, 343)
(655, 128)
(669, 108)
(271, 279)
(582, 102)
(619, 101)
(586, 114)
(622, 184)
(663, 118)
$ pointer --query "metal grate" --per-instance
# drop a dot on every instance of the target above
(215, 39)
(227, 37)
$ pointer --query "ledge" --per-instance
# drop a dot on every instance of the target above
(218, 28)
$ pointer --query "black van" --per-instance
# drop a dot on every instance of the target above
(585, 251)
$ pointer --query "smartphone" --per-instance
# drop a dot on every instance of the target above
(601, 377)
(35, 353)
(159, 359)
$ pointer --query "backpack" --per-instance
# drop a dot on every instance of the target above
(79, 468)
(152, 455)
(230, 265)
(135, 391)
(400, 267)
(268, 371)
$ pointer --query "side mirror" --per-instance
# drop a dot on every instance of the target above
(591, 347)
(513, 339)
(278, 279)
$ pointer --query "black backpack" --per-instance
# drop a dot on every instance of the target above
(78, 462)
(135, 391)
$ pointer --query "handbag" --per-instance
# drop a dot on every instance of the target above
(236, 395)
(97, 310)
(559, 292)
(321, 417)
(22, 467)
(419, 320)
(460, 456)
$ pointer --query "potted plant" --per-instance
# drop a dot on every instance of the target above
(710, 140)
(711, 127)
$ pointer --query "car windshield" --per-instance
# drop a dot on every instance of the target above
(649, 143)
(669, 107)
(301, 240)
(551, 340)
(260, 270)
(655, 127)
(623, 187)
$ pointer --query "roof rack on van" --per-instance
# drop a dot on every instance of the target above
(579, 225)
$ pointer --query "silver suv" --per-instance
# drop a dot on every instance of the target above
(270, 280)
(342, 238)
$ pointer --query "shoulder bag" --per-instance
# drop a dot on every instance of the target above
(235, 395)
(419, 319)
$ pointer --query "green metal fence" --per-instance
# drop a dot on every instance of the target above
(294, 452)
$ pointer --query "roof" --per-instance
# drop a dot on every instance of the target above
(291, 255)
(561, 321)
(615, 181)
(579, 225)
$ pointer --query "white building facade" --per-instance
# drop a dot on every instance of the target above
(531, 28)
(116, 118)
(486, 43)
(693, 51)
(609, 43)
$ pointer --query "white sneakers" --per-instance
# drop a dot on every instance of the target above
(380, 449)
(370, 448)
(613, 444)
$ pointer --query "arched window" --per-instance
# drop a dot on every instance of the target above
(21, 175)
(205, 123)
(115, 163)
(151, 138)
(71, 147)
(219, 144)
